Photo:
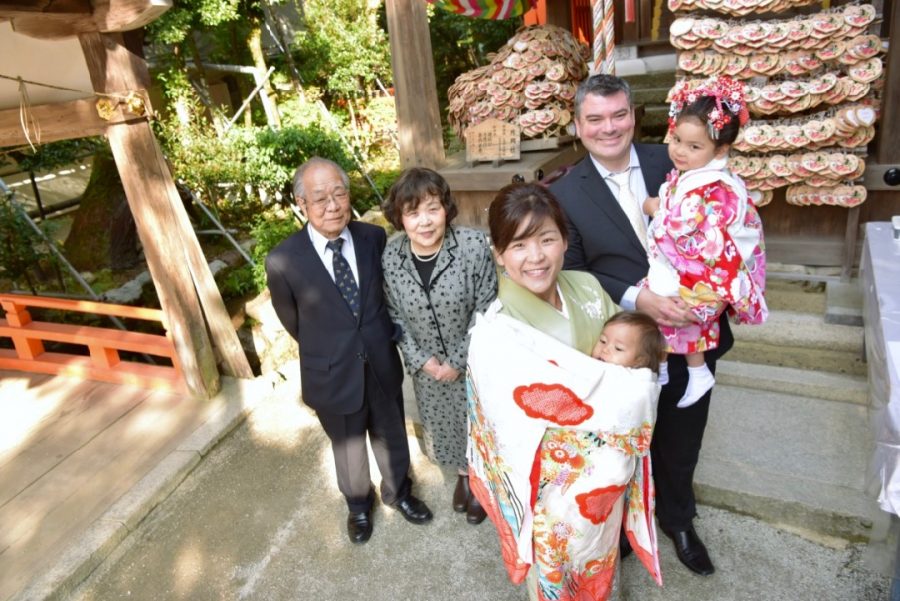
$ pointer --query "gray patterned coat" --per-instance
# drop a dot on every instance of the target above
(436, 322)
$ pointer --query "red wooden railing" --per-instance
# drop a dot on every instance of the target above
(104, 344)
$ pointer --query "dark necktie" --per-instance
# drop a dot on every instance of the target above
(343, 276)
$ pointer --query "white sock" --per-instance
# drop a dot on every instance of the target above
(700, 380)
(663, 373)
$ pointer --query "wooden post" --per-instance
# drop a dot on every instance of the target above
(888, 151)
(224, 336)
(144, 176)
(415, 88)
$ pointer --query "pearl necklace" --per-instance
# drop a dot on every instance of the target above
(429, 259)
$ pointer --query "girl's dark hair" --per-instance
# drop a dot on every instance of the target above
(700, 109)
(516, 204)
(411, 188)
(653, 345)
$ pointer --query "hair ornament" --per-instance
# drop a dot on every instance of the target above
(728, 93)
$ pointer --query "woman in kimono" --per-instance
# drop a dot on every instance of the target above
(436, 277)
(559, 442)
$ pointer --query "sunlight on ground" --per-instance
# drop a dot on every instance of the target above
(188, 569)
(20, 419)
(280, 422)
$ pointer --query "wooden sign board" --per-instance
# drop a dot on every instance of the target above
(492, 140)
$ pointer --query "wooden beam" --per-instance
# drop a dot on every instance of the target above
(415, 88)
(107, 16)
(60, 121)
(13, 8)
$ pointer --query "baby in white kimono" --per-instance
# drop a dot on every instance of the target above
(631, 339)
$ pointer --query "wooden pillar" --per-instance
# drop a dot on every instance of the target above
(552, 12)
(415, 89)
(180, 273)
(888, 151)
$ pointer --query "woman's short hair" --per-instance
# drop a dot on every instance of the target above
(652, 349)
(516, 204)
(411, 188)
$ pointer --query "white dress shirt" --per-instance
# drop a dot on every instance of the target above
(639, 191)
(319, 243)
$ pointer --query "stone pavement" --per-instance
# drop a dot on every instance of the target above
(260, 518)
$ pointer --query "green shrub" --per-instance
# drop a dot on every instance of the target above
(268, 231)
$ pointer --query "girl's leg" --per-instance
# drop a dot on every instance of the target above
(700, 380)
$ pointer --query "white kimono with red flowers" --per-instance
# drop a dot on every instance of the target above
(559, 456)
(705, 244)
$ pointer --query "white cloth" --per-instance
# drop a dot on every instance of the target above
(629, 205)
(509, 360)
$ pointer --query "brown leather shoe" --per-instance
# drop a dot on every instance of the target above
(475, 513)
(461, 494)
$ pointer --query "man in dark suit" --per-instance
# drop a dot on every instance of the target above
(327, 289)
(602, 197)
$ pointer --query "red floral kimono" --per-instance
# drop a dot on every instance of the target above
(705, 244)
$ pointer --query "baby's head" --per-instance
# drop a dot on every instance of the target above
(631, 339)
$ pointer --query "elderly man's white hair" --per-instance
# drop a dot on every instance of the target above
(312, 162)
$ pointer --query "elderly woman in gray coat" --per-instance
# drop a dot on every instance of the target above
(436, 278)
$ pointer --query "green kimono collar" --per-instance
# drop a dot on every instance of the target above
(579, 331)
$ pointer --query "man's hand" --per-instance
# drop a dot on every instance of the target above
(666, 310)
(651, 205)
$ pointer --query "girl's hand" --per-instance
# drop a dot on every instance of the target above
(651, 205)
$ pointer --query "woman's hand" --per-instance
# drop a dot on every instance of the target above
(442, 372)
(432, 367)
(448, 373)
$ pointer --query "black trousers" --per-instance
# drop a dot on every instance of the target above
(675, 448)
(382, 420)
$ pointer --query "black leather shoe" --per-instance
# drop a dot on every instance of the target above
(475, 513)
(461, 494)
(359, 527)
(414, 510)
(691, 551)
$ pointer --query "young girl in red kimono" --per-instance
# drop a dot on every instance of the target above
(705, 241)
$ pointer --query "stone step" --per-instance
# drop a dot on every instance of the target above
(793, 295)
(801, 382)
(803, 341)
(794, 461)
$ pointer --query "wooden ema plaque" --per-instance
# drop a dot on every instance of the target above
(492, 140)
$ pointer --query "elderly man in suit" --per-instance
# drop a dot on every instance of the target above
(327, 289)
(602, 197)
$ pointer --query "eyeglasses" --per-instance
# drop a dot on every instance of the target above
(338, 195)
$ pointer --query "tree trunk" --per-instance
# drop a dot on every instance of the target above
(254, 43)
(285, 43)
(103, 232)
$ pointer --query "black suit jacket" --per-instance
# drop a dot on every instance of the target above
(601, 239)
(334, 345)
